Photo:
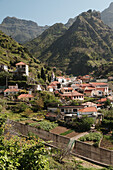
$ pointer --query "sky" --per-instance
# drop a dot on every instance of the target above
(49, 12)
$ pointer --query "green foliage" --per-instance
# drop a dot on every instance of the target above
(49, 99)
(95, 137)
(22, 153)
(87, 41)
(46, 125)
(83, 124)
(21, 107)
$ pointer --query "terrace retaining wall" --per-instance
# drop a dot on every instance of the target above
(80, 148)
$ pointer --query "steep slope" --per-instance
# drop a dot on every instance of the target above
(107, 16)
(70, 22)
(21, 30)
(86, 45)
(39, 45)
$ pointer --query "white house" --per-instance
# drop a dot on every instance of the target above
(3, 67)
(22, 68)
(89, 111)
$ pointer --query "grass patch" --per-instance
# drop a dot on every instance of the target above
(67, 132)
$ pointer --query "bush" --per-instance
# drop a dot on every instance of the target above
(95, 137)
(46, 125)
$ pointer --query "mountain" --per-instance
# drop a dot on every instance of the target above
(107, 16)
(39, 45)
(11, 52)
(70, 22)
(84, 47)
(21, 30)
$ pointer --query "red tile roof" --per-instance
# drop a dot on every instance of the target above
(101, 89)
(20, 63)
(97, 84)
(11, 90)
(88, 109)
(75, 93)
(67, 88)
(102, 100)
(86, 85)
(25, 96)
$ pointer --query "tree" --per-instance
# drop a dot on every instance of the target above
(22, 153)
(83, 124)
(43, 76)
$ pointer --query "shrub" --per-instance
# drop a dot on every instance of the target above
(95, 137)
(46, 125)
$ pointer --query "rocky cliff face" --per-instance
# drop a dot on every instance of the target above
(107, 16)
(21, 30)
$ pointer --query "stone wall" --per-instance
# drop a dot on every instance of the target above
(83, 149)
(23, 129)
(95, 153)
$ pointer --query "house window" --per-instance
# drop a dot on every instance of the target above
(62, 110)
(74, 110)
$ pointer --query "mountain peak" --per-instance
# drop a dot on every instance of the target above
(21, 30)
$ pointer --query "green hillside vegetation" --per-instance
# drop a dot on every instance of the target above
(39, 45)
(11, 53)
(87, 44)
(21, 30)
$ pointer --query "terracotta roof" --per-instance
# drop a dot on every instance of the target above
(11, 90)
(86, 85)
(25, 96)
(88, 109)
(68, 79)
(99, 105)
(75, 93)
(67, 88)
(78, 85)
(97, 84)
(101, 89)
(49, 87)
(60, 77)
(102, 100)
(20, 63)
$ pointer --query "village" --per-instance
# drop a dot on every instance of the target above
(72, 92)
(64, 110)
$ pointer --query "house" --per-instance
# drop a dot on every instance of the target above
(11, 91)
(85, 78)
(3, 67)
(25, 97)
(64, 111)
(69, 111)
(89, 104)
(66, 90)
(73, 95)
(38, 87)
(89, 111)
(50, 88)
(55, 85)
(61, 79)
(100, 88)
(22, 68)
(75, 86)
